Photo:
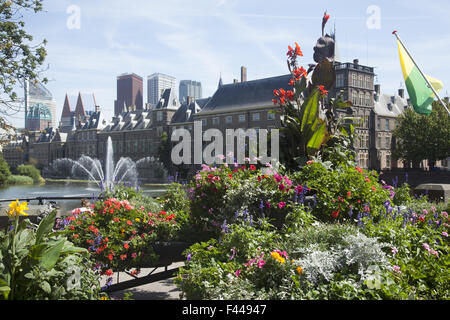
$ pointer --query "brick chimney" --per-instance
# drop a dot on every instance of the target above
(243, 74)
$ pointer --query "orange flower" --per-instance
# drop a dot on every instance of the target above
(322, 90)
(297, 49)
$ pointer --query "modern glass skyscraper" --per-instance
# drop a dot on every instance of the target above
(190, 88)
(156, 84)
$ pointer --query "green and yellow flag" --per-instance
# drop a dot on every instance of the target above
(420, 93)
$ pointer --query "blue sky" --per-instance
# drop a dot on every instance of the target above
(200, 39)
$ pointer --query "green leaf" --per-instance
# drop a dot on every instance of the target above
(309, 111)
(319, 137)
(46, 226)
(50, 256)
(46, 287)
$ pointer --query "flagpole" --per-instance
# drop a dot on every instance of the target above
(428, 82)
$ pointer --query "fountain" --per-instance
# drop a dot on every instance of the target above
(125, 171)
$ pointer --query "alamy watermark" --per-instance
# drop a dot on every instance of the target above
(74, 19)
(190, 149)
(374, 19)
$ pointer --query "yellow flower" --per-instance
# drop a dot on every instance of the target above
(299, 270)
(281, 260)
(16, 209)
(275, 255)
(137, 219)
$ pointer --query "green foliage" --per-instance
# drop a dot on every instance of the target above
(420, 137)
(30, 171)
(4, 171)
(420, 246)
(43, 265)
(118, 235)
(343, 192)
(20, 57)
(15, 179)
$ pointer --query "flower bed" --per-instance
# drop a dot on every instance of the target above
(119, 236)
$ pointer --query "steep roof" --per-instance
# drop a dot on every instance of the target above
(248, 94)
(186, 112)
(168, 100)
(390, 106)
(66, 112)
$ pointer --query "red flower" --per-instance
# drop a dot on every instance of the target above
(123, 257)
(108, 272)
(297, 49)
(110, 256)
(299, 72)
(290, 95)
(281, 187)
(282, 204)
(252, 167)
(359, 169)
(126, 246)
(292, 53)
(322, 90)
(129, 223)
(349, 194)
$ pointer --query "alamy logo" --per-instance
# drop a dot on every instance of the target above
(254, 142)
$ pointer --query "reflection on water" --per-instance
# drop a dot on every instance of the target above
(64, 189)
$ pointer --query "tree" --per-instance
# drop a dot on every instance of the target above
(4, 171)
(20, 58)
(419, 137)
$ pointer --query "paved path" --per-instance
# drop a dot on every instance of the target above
(160, 290)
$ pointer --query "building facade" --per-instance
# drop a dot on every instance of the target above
(40, 107)
(190, 88)
(130, 92)
(156, 84)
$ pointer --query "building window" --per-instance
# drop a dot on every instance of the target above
(270, 115)
(361, 81)
(388, 161)
(204, 122)
(368, 100)
(120, 146)
(387, 124)
(255, 116)
(378, 123)
(354, 97)
(242, 118)
(368, 83)
(216, 121)
(379, 142)
(159, 116)
(228, 119)
(388, 143)
(339, 80)
(361, 98)
(354, 80)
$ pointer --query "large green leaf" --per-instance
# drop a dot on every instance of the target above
(319, 137)
(310, 110)
(50, 255)
(45, 227)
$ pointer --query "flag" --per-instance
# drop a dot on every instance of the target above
(420, 94)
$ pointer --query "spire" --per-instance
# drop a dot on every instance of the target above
(220, 80)
(66, 112)
(79, 110)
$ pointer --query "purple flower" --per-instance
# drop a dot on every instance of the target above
(188, 257)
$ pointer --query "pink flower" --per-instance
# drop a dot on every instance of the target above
(299, 189)
(261, 263)
(281, 187)
(237, 273)
(394, 250)
(445, 234)
(396, 269)
(282, 204)
(278, 177)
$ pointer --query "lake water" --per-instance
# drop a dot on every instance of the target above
(64, 189)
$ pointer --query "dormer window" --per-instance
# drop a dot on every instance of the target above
(389, 106)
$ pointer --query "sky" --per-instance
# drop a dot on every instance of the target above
(90, 42)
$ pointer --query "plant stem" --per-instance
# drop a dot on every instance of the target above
(13, 259)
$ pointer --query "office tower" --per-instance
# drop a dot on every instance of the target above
(156, 84)
(129, 92)
(190, 88)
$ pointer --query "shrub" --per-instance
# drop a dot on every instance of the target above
(345, 192)
(30, 171)
(43, 265)
(4, 171)
(16, 179)
(118, 235)
(419, 245)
